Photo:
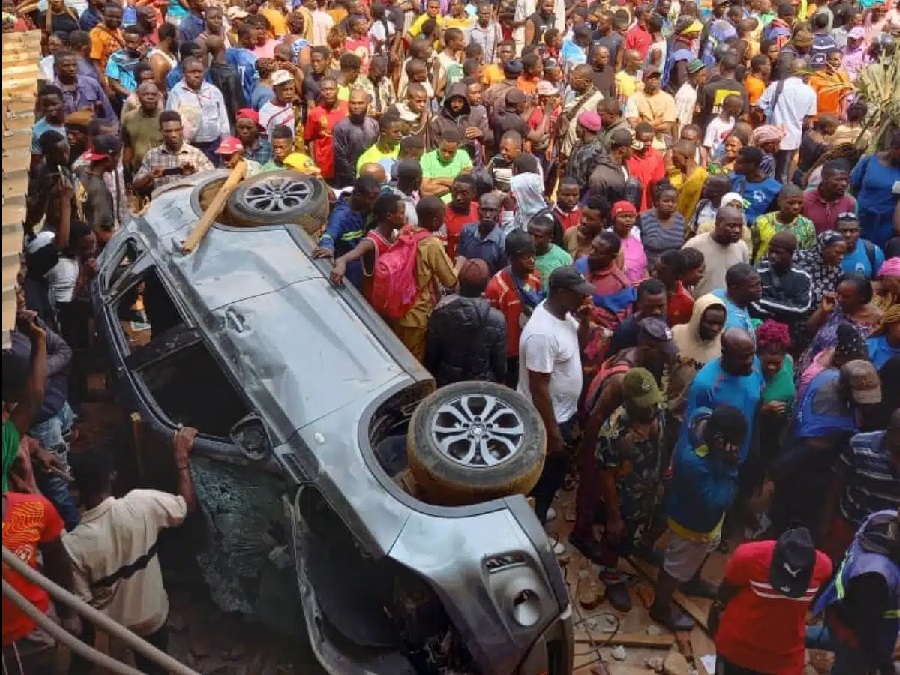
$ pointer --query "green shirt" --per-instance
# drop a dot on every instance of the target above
(555, 257)
(375, 156)
(433, 167)
(781, 386)
(10, 450)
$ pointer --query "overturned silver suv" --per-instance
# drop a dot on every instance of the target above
(328, 468)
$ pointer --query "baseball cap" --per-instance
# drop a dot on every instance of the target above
(590, 120)
(248, 114)
(793, 562)
(229, 146)
(658, 331)
(856, 33)
(639, 387)
(102, 147)
(696, 66)
(515, 97)
(513, 68)
(622, 206)
(545, 88)
(280, 77)
(865, 387)
(621, 137)
(569, 278)
(79, 119)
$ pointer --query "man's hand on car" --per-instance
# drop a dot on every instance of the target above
(184, 443)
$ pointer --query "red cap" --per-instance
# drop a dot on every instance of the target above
(623, 207)
(229, 146)
(248, 113)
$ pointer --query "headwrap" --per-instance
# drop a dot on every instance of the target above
(849, 341)
(734, 197)
(823, 277)
(528, 189)
(890, 267)
(891, 316)
(768, 133)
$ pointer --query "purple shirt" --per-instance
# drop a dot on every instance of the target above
(87, 94)
(824, 214)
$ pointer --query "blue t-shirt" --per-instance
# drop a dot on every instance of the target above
(880, 351)
(121, 67)
(760, 196)
(712, 386)
(735, 317)
(244, 63)
(873, 184)
(38, 130)
(858, 261)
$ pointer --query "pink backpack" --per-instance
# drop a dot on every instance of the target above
(394, 288)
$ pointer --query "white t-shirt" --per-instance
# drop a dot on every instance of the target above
(549, 345)
(61, 278)
(716, 132)
(797, 102)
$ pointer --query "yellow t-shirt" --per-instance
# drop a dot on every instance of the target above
(276, 20)
(626, 84)
(492, 75)
(416, 26)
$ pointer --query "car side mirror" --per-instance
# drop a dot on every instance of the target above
(250, 436)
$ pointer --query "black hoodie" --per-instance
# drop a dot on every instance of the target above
(467, 117)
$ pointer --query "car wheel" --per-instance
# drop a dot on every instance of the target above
(280, 197)
(471, 442)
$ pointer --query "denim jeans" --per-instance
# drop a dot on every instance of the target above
(52, 433)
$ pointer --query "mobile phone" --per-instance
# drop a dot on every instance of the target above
(174, 171)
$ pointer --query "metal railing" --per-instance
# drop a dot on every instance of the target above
(99, 619)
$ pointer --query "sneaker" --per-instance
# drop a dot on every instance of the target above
(700, 588)
(559, 548)
(674, 619)
(618, 596)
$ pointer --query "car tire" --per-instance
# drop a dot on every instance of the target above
(447, 462)
(278, 198)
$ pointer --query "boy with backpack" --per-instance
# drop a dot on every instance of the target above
(405, 281)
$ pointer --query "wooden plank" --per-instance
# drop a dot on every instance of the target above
(696, 609)
(661, 641)
(215, 208)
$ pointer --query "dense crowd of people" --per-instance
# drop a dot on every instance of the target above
(671, 226)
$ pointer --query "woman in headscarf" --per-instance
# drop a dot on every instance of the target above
(823, 264)
(768, 139)
(849, 304)
(698, 343)
(889, 285)
(528, 191)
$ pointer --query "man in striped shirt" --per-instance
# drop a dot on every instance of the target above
(866, 480)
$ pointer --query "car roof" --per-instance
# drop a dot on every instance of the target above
(284, 330)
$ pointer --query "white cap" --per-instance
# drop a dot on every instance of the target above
(281, 77)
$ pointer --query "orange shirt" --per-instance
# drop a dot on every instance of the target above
(103, 43)
(528, 85)
(755, 88)
(30, 521)
(829, 94)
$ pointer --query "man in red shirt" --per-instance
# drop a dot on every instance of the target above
(319, 131)
(823, 204)
(461, 211)
(646, 164)
(768, 588)
(639, 37)
(32, 525)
